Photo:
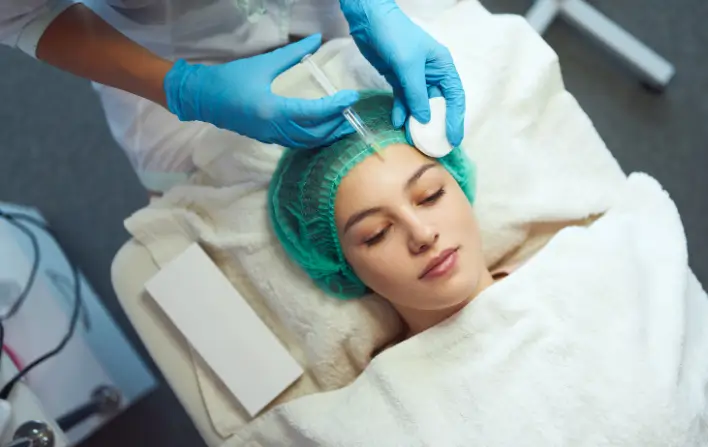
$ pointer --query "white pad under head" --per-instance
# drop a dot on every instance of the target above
(431, 138)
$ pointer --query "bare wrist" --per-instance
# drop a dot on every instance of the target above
(154, 81)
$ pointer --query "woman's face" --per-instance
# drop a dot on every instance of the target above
(408, 230)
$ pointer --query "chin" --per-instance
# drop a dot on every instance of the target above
(455, 292)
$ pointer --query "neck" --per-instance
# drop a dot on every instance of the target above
(420, 320)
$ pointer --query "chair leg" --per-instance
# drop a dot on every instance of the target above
(542, 14)
(655, 71)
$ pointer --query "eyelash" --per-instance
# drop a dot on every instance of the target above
(433, 197)
(378, 237)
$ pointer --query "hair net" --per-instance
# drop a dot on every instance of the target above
(304, 186)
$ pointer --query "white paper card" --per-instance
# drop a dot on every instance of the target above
(221, 326)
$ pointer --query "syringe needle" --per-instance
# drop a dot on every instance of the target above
(349, 113)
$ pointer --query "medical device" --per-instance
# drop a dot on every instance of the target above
(430, 138)
(20, 221)
(349, 113)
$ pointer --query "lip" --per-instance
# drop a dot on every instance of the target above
(441, 264)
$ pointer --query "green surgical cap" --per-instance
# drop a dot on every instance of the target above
(304, 187)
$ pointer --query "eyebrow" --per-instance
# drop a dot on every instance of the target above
(361, 215)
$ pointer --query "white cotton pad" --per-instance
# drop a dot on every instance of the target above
(431, 138)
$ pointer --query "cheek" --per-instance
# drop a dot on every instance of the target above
(458, 222)
(384, 269)
(387, 269)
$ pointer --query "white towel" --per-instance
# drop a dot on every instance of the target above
(599, 340)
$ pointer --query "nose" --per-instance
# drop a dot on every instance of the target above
(422, 237)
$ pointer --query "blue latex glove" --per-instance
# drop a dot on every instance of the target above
(237, 96)
(433, 92)
(410, 60)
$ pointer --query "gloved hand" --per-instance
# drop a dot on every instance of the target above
(433, 92)
(410, 60)
(237, 96)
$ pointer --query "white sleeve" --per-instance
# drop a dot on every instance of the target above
(22, 22)
(425, 9)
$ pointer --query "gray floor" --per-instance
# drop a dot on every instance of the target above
(56, 154)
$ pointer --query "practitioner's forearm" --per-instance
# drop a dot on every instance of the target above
(80, 42)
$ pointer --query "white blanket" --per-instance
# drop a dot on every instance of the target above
(599, 340)
(540, 165)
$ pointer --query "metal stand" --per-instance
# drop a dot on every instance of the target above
(655, 71)
(33, 434)
(105, 401)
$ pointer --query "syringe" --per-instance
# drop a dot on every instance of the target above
(349, 113)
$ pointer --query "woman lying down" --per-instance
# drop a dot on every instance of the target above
(599, 339)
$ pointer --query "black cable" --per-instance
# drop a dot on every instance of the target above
(2, 340)
(22, 297)
(7, 389)
(65, 286)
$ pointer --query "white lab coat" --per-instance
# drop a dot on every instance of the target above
(159, 146)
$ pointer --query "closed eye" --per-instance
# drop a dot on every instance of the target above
(431, 199)
(378, 237)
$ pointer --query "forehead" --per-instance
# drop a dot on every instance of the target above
(368, 180)
(393, 161)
